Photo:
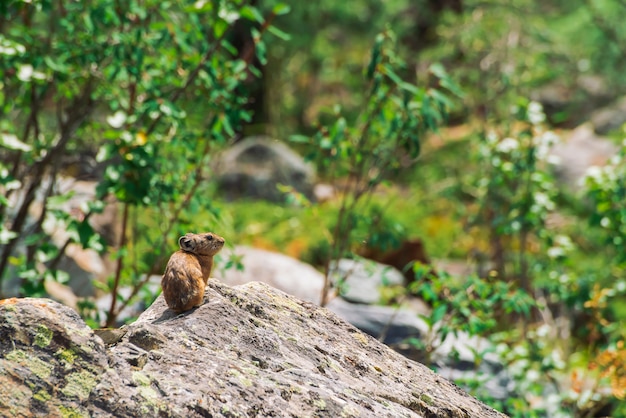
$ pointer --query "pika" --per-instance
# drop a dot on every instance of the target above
(188, 269)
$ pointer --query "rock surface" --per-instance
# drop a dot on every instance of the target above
(248, 351)
(255, 167)
(580, 151)
(285, 273)
(360, 280)
(609, 118)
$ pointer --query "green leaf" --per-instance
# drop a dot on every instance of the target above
(281, 9)
(411, 88)
(219, 28)
(388, 71)
(279, 33)
(376, 56)
(439, 313)
(55, 64)
(438, 70)
(251, 13)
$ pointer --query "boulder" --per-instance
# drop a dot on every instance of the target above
(402, 257)
(581, 150)
(609, 118)
(247, 351)
(278, 270)
(391, 325)
(360, 280)
(256, 166)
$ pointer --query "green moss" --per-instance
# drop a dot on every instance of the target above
(66, 356)
(37, 366)
(336, 367)
(43, 336)
(67, 412)
(141, 379)
(10, 307)
(145, 390)
(42, 396)
(148, 394)
(225, 411)
(86, 349)
(350, 411)
(426, 399)
(320, 404)
(242, 379)
(287, 303)
(360, 338)
(79, 385)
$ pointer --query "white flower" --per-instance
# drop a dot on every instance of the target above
(562, 245)
(543, 330)
(544, 143)
(535, 113)
(532, 376)
(117, 119)
(555, 252)
(550, 138)
(543, 200)
(27, 72)
(564, 241)
(557, 360)
(492, 138)
(594, 173)
(507, 145)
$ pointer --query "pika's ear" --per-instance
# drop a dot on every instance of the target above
(184, 243)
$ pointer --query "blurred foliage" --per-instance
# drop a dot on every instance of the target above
(381, 141)
(496, 50)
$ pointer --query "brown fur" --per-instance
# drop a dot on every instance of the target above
(188, 270)
(409, 252)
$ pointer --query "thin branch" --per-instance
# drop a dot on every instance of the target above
(118, 271)
(76, 114)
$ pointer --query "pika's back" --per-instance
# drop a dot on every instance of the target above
(201, 244)
(188, 270)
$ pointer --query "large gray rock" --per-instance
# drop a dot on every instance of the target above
(256, 166)
(248, 351)
(581, 150)
(609, 118)
(360, 280)
(278, 270)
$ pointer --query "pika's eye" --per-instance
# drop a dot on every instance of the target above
(209, 237)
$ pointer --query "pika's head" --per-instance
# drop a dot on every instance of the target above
(201, 244)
